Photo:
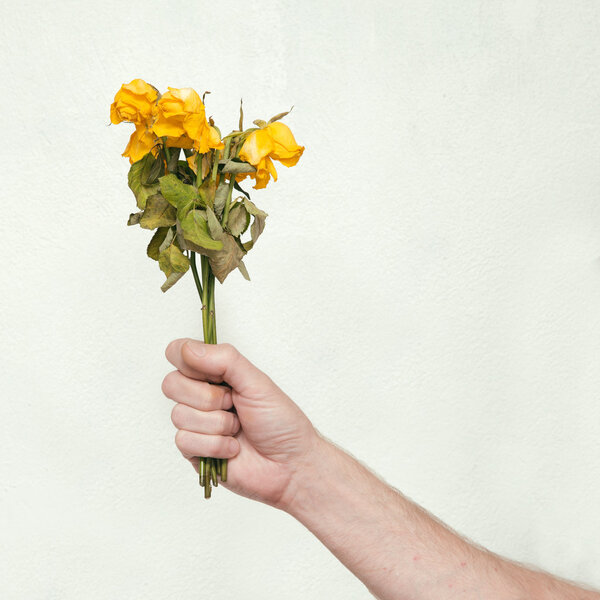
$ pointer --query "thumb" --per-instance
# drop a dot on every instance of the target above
(219, 363)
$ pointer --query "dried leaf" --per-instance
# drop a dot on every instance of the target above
(173, 160)
(154, 247)
(158, 213)
(238, 219)
(224, 261)
(173, 260)
(221, 197)
(280, 116)
(260, 123)
(243, 270)
(195, 230)
(258, 224)
(137, 173)
(172, 279)
(207, 192)
(235, 166)
(181, 195)
(213, 224)
(134, 218)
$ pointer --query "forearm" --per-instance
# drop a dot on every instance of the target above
(397, 549)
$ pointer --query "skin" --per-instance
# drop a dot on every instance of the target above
(276, 456)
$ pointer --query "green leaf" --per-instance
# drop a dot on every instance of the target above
(195, 230)
(258, 224)
(158, 213)
(154, 247)
(238, 220)
(172, 279)
(242, 267)
(221, 197)
(138, 174)
(134, 218)
(181, 195)
(260, 123)
(173, 260)
(280, 116)
(236, 166)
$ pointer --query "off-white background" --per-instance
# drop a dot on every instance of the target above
(427, 288)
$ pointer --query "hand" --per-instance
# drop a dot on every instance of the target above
(267, 442)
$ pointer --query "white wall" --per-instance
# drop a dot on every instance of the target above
(427, 288)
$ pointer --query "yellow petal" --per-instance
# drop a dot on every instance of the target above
(114, 114)
(169, 127)
(134, 102)
(264, 170)
(140, 143)
(257, 146)
(285, 148)
(141, 88)
(182, 141)
(194, 125)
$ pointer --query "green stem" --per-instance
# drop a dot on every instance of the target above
(199, 158)
(205, 290)
(202, 471)
(226, 150)
(195, 273)
(211, 308)
(215, 170)
(228, 202)
(166, 150)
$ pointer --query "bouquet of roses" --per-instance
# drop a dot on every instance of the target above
(183, 175)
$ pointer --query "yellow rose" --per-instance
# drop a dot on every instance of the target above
(180, 117)
(140, 143)
(274, 141)
(134, 102)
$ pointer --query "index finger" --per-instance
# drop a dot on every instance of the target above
(217, 363)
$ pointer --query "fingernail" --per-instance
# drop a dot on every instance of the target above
(197, 348)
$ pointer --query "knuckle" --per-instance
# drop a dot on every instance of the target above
(180, 439)
(169, 384)
(235, 427)
(215, 397)
(230, 352)
(221, 446)
(224, 423)
(177, 415)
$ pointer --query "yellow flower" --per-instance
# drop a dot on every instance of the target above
(180, 117)
(140, 143)
(274, 141)
(134, 102)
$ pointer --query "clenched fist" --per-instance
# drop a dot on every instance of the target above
(263, 433)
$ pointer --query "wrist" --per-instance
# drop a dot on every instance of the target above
(308, 475)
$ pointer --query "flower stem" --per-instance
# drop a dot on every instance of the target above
(217, 156)
(195, 273)
(228, 201)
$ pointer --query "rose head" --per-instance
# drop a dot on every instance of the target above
(134, 102)
(273, 141)
(181, 118)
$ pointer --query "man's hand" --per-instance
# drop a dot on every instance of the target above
(391, 544)
(269, 439)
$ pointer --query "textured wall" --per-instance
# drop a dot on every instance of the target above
(427, 288)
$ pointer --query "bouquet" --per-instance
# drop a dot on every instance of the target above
(183, 175)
